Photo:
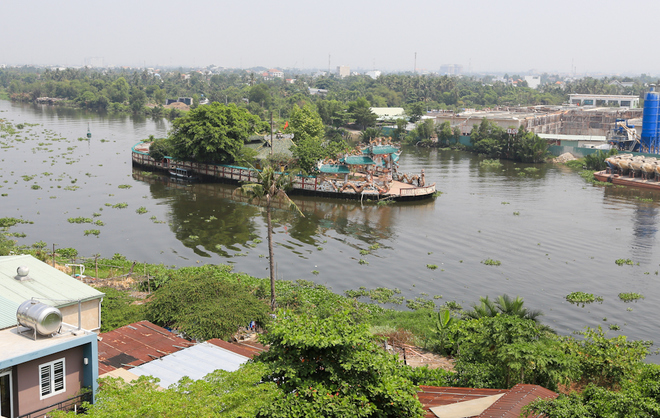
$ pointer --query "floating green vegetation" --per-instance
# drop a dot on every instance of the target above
(630, 296)
(506, 203)
(420, 303)
(374, 247)
(516, 213)
(71, 188)
(385, 202)
(319, 248)
(141, 210)
(99, 222)
(437, 193)
(28, 178)
(379, 294)
(431, 266)
(490, 163)
(193, 237)
(614, 327)
(96, 214)
(156, 221)
(108, 204)
(315, 272)
(120, 205)
(645, 200)
(363, 261)
(35, 187)
(92, 232)
(531, 169)
(582, 298)
(364, 252)
(491, 262)
(80, 220)
(124, 186)
(622, 261)
(522, 174)
(257, 241)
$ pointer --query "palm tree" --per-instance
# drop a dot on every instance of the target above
(272, 186)
(503, 305)
(486, 308)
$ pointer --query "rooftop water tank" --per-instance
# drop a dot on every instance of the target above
(44, 319)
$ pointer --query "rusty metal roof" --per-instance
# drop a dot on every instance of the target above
(511, 404)
(135, 344)
(508, 406)
(243, 348)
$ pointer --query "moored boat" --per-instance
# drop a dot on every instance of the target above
(370, 172)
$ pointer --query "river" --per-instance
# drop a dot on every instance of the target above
(553, 233)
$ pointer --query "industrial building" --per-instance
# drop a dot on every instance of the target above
(565, 120)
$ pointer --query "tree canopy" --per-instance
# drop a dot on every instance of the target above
(331, 367)
(205, 303)
(213, 133)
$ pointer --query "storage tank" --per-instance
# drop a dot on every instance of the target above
(44, 319)
(650, 121)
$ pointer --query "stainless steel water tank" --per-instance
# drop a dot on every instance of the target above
(45, 319)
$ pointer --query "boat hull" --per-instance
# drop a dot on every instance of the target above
(616, 179)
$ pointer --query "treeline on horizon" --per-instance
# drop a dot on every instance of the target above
(144, 92)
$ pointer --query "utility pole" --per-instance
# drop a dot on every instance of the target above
(415, 67)
(271, 133)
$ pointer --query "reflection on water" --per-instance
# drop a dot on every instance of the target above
(553, 233)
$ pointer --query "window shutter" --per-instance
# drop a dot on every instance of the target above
(58, 371)
(44, 376)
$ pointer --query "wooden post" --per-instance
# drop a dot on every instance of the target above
(96, 265)
(53, 254)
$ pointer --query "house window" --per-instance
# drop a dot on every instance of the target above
(51, 378)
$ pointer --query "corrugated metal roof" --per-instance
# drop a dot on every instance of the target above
(507, 406)
(247, 349)
(44, 283)
(136, 344)
(511, 404)
(195, 362)
(7, 312)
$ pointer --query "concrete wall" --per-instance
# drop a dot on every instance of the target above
(90, 314)
(27, 380)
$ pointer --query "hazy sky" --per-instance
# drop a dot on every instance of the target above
(604, 36)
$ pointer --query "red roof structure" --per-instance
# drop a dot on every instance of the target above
(509, 405)
(136, 344)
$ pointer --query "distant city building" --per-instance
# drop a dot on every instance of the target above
(94, 61)
(451, 69)
(533, 81)
(275, 73)
(314, 92)
(343, 71)
(373, 74)
(603, 100)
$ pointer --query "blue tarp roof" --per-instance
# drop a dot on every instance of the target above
(334, 168)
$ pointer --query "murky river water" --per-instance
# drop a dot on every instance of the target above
(553, 233)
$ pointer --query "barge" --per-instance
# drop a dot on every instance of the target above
(629, 170)
(370, 172)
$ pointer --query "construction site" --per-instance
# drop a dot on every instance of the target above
(558, 120)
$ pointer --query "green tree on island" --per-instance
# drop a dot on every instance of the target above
(213, 133)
